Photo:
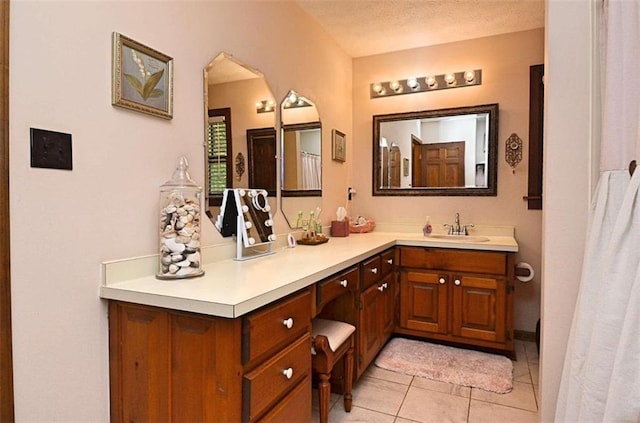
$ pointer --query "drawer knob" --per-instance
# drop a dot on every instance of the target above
(344, 283)
(288, 323)
(457, 282)
(442, 280)
(288, 373)
(374, 270)
(390, 261)
(381, 288)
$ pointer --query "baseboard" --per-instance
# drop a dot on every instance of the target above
(523, 335)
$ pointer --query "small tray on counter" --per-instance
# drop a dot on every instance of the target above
(317, 241)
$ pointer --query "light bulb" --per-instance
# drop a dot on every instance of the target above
(469, 76)
(259, 104)
(450, 79)
(431, 81)
(395, 86)
(377, 87)
(293, 98)
(248, 224)
(412, 83)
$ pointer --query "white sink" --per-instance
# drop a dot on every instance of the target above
(460, 238)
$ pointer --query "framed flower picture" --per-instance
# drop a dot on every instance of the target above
(142, 78)
(339, 146)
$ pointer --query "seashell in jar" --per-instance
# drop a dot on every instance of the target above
(173, 245)
(182, 212)
(195, 236)
(179, 225)
(183, 239)
(184, 263)
(176, 257)
(193, 257)
(170, 209)
(188, 230)
(173, 268)
(194, 244)
(166, 259)
(184, 271)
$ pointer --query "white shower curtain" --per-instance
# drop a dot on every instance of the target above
(311, 170)
(601, 375)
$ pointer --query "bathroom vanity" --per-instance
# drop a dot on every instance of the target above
(234, 345)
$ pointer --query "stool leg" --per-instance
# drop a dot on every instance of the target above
(348, 379)
(324, 391)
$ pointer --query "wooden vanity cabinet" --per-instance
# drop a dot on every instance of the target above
(376, 306)
(173, 366)
(459, 296)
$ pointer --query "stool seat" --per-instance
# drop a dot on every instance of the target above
(332, 340)
(336, 332)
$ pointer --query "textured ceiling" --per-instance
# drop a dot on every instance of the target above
(367, 27)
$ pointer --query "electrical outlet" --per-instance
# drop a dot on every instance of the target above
(50, 149)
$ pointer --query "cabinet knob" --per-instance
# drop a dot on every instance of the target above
(344, 283)
(385, 285)
(457, 282)
(288, 373)
(374, 270)
(442, 281)
(390, 261)
(381, 288)
(288, 323)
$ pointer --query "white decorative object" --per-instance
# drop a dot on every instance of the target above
(180, 226)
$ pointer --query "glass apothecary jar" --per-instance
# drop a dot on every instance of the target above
(180, 226)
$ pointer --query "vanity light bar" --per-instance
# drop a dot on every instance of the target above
(426, 83)
(265, 106)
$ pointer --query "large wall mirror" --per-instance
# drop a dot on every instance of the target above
(240, 131)
(436, 152)
(301, 182)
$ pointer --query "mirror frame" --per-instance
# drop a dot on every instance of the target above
(492, 142)
(297, 192)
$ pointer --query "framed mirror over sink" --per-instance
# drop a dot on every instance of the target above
(301, 152)
(444, 152)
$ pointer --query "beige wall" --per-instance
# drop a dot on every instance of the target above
(64, 224)
(569, 178)
(505, 62)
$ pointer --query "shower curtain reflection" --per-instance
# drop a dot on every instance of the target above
(311, 170)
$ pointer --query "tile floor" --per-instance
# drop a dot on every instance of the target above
(387, 397)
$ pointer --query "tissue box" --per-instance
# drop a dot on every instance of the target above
(339, 228)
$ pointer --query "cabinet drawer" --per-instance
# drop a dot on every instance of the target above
(275, 325)
(332, 288)
(490, 262)
(263, 386)
(371, 271)
(387, 259)
(295, 407)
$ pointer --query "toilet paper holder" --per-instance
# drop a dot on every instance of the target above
(524, 272)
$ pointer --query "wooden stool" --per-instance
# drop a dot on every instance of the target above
(331, 341)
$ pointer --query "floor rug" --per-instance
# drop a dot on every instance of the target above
(489, 372)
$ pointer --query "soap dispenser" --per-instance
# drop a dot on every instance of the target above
(426, 229)
(180, 226)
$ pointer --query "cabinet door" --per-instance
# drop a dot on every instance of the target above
(423, 301)
(369, 338)
(387, 307)
(479, 305)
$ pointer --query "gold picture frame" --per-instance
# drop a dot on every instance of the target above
(339, 144)
(142, 78)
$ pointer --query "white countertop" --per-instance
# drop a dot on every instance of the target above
(231, 288)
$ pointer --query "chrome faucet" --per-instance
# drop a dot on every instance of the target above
(457, 229)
